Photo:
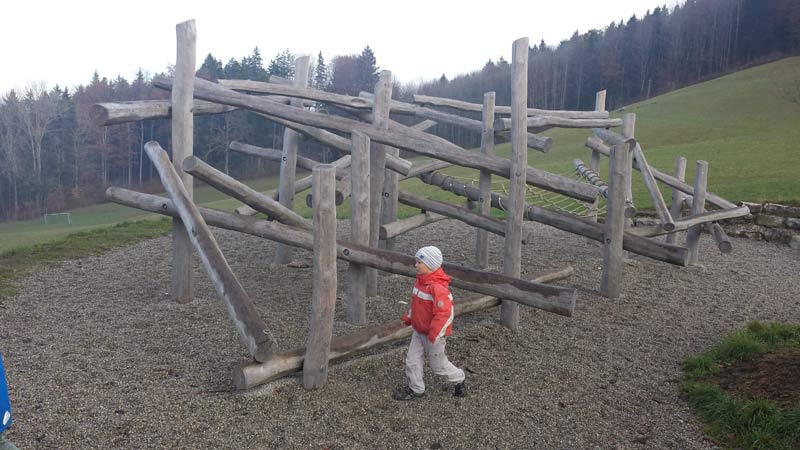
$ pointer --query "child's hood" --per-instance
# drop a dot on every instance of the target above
(436, 277)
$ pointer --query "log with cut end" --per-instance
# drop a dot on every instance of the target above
(253, 332)
(252, 374)
(113, 113)
(547, 298)
(685, 223)
(546, 122)
(476, 107)
(403, 226)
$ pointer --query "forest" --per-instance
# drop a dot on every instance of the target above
(53, 156)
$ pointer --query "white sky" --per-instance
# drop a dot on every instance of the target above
(64, 42)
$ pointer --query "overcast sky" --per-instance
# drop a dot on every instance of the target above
(64, 42)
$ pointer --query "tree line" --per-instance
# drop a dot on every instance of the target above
(53, 157)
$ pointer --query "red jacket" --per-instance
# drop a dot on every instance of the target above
(431, 312)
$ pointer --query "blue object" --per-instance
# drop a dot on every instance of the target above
(5, 404)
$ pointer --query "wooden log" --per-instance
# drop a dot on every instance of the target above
(271, 154)
(591, 176)
(299, 186)
(722, 239)
(539, 122)
(283, 253)
(485, 180)
(253, 332)
(669, 180)
(380, 121)
(460, 213)
(394, 163)
(540, 143)
(613, 266)
(512, 256)
(113, 113)
(698, 205)
(424, 125)
(399, 227)
(298, 91)
(183, 146)
(427, 167)
(677, 196)
(687, 222)
(391, 185)
(240, 191)
(341, 193)
(408, 139)
(660, 251)
(359, 227)
(628, 125)
(594, 162)
(475, 107)
(547, 298)
(250, 375)
(323, 291)
(652, 187)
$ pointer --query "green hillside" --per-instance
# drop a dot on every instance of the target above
(741, 124)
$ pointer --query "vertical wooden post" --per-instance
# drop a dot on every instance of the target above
(599, 105)
(594, 163)
(485, 183)
(628, 127)
(377, 166)
(323, 297)
(677, 196)
(611, 283)
(182, 146)
(359, 226)
(283, 252)
(512, 260)
(698, 206)
(391, 184)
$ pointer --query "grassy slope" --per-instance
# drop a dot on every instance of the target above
(739, 123)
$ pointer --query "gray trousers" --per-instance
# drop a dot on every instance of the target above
(415, 362)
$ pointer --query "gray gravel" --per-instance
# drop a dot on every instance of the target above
(98, 356)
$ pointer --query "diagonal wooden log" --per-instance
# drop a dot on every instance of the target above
(272, 154)
(461, 213)
(299, 186)
(660, 205)
(547, 298)
(403, 226)
(409, 139)
(660, 251)
(598, 145)
(253, 332)
(394, 163)
(546, 122)
(251, 375)
(476, 107)
(685, 223)
(723, 241)
(424, 125)
(427, 167)
(240, 191)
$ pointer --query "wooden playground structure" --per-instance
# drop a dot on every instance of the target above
(369, 176)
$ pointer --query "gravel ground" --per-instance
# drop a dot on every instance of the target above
(97, 356)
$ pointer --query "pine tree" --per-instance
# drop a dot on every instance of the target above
(282, 65)
(366, 70)
(321, 74)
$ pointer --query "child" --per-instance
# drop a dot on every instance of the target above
(431, 316)
(5, 410)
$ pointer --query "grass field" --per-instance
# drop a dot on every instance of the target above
(741, 124)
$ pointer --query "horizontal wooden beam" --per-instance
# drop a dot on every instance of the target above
(251, 375)
(112, 113)
(547, 298)
(545, 122)
(477, 107)
(684, 223)
(398, 227)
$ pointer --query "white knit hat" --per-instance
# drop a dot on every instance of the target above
(431, 256)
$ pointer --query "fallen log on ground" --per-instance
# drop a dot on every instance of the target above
(253, 374)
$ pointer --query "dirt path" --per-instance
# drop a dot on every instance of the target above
(98, 357)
